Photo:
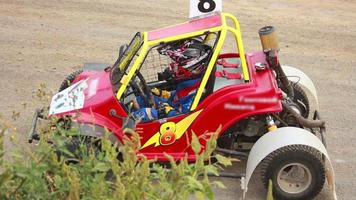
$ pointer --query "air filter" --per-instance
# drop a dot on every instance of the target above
(268, 38)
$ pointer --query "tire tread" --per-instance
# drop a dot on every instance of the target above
(302, 149)
(69, 80)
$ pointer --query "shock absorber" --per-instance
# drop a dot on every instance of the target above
(271, 126)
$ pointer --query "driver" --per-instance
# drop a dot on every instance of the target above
(166, 103)
(189, 61)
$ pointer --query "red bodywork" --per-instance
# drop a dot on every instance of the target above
(223, 107)
(188, 27)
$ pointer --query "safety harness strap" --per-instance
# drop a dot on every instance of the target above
(225, 64)
(228, 75)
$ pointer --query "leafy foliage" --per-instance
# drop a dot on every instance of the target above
(104, 170)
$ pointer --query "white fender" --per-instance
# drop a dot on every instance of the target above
(297, 76)
(282, 137)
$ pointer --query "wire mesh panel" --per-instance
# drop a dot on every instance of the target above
(154, 63)
(177, 52)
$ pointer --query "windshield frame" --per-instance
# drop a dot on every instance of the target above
(120, 68)
(130, 51)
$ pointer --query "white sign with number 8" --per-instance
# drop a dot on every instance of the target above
(199, 8)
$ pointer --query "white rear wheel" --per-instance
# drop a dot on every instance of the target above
(296, 171)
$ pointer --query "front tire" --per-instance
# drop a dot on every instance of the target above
(69, 80)
(297, 172)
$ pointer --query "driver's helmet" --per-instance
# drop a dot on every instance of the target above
(189, 57)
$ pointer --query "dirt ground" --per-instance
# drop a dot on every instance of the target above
(44, 40)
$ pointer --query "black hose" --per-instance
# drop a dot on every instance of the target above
(273, 61)
(303, 121)
(286, 83)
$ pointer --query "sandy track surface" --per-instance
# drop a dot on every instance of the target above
(44, 40)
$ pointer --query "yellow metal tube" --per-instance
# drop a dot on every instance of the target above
(223, 29)
(126, 78)
(240, 46)
(209, 69)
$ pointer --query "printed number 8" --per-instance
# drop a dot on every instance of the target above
(201, 7)
(167, 132)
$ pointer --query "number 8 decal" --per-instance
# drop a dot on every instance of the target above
(203, 3)
(167, 132)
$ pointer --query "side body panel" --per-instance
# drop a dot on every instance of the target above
(223, 108)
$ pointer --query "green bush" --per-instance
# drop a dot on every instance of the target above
(39, 173)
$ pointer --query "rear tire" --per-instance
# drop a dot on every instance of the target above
(301, 99)
(292, 161)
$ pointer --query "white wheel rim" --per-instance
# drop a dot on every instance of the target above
(294, 178)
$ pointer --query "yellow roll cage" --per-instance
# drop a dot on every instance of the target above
(223, 29)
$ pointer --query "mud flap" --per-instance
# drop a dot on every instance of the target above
(282, 137)
(297, 76)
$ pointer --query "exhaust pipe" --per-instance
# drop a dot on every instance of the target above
(303, 121)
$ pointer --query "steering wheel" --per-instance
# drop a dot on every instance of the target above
(143, 89)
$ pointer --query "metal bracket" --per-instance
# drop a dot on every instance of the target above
(33, 135)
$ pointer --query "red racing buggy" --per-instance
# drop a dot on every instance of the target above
(173, 81)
